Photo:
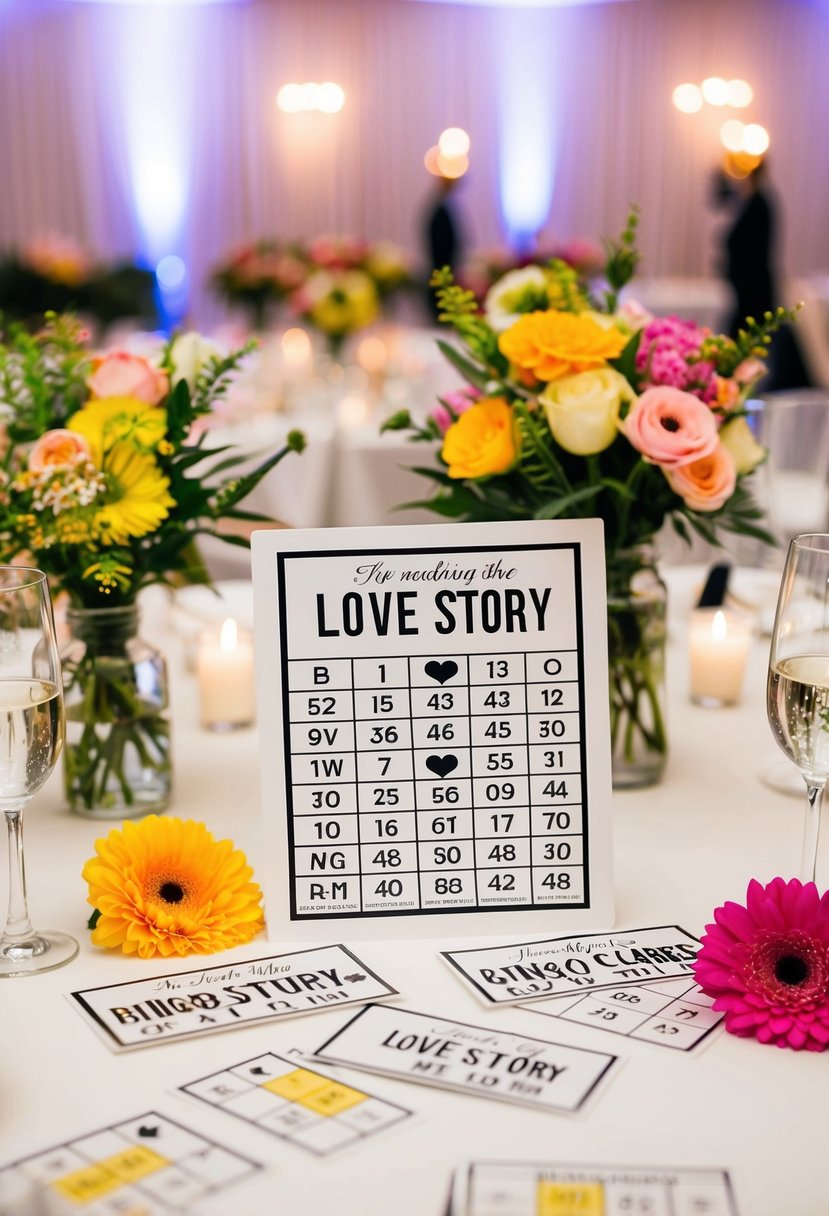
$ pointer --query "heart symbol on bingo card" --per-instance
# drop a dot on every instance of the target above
(442, 766)
(441, 671)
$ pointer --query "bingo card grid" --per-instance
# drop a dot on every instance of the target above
(518, 1189)
(502, 828)
(674, 1014)
(297, 1104)
(150, 1160)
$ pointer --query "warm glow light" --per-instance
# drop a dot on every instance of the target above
(289, 98)
(228, 637)
(354, 410)
(296, 348)
(454, 142)
(328, 98)
(372, 354)
(430, 160)
(452, 166)
(687, 98)
(719, 627)
(755, 139)
(731, 135)
(740, 94)
(715, 91)
(740, 164)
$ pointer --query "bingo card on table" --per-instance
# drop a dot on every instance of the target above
(434, 727)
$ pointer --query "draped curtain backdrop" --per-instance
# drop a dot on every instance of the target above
(146, 130)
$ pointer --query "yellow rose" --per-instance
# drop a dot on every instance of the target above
(553, 344)
(483, 441)
(583, 410)
(737, 438)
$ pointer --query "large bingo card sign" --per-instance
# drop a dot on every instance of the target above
(434, 727)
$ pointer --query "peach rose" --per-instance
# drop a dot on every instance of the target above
(57, 449)
(121, 374)
(671, 428)
(705, 484)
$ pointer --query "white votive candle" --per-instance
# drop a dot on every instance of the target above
(720, 642)
(224, 670)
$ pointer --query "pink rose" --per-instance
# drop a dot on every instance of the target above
(705, 484)
(454, 403)
(671, 428)
(120, 374)
(58, 449)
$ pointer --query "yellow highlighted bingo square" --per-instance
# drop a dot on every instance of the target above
(570, 1199)
(296, 1085)
(333, 1100)
(95, 1181)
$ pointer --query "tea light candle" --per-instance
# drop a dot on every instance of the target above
(720, 642)
(224, 670)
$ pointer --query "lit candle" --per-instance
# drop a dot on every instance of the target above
(224, 669)
(720, 642)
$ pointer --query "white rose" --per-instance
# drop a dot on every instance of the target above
(502, 305)
(737, 438)
(583, 410)
(188, 355)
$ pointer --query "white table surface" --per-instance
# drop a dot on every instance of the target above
(681, 848)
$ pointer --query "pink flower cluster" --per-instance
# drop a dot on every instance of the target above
(668, 354)
(452, 405)
(767, 965)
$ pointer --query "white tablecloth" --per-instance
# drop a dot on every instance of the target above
(681, 848)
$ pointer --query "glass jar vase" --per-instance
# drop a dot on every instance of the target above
(637, 601)
(117, 753)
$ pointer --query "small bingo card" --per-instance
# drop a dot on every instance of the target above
(433, 705)
(502, 1188)
(676, 1014)
(149, 1165)
(311, 1109)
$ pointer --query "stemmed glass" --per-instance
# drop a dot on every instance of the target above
(798, 682)
(31, 736)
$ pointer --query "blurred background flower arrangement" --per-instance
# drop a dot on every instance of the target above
(334, 284)
(106, 483)
(53, 272)
(580, 406)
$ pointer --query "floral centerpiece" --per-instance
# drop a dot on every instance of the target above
(106, 482)
(260, 274)
(487, 267)
(577, 406)
(334, 284)
(54, 272)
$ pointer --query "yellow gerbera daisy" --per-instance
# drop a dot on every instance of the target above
(553, 344)
(113, 419)
(138, 495)
(165, 886)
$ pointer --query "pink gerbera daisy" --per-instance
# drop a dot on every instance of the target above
(767, 964)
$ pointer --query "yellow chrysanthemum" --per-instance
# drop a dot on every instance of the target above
(114, 419)
(165, 886)
(552, 344)
(137, 492)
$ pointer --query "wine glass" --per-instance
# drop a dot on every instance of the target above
(31, 736)
(798, 682)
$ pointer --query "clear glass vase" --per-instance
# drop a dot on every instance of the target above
(117, 753)
(637, 601)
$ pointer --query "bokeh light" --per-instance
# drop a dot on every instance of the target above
(755, 139)
(171, 272)
(430, 160)
(330, 97)
(454, 142)
(289, 98)
(731, 135)
(715, 91)
(452, 166)
(294, 98)
(687, 98)
(740, 94)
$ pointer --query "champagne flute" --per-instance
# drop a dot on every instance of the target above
(798, 682)
(31, 736)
